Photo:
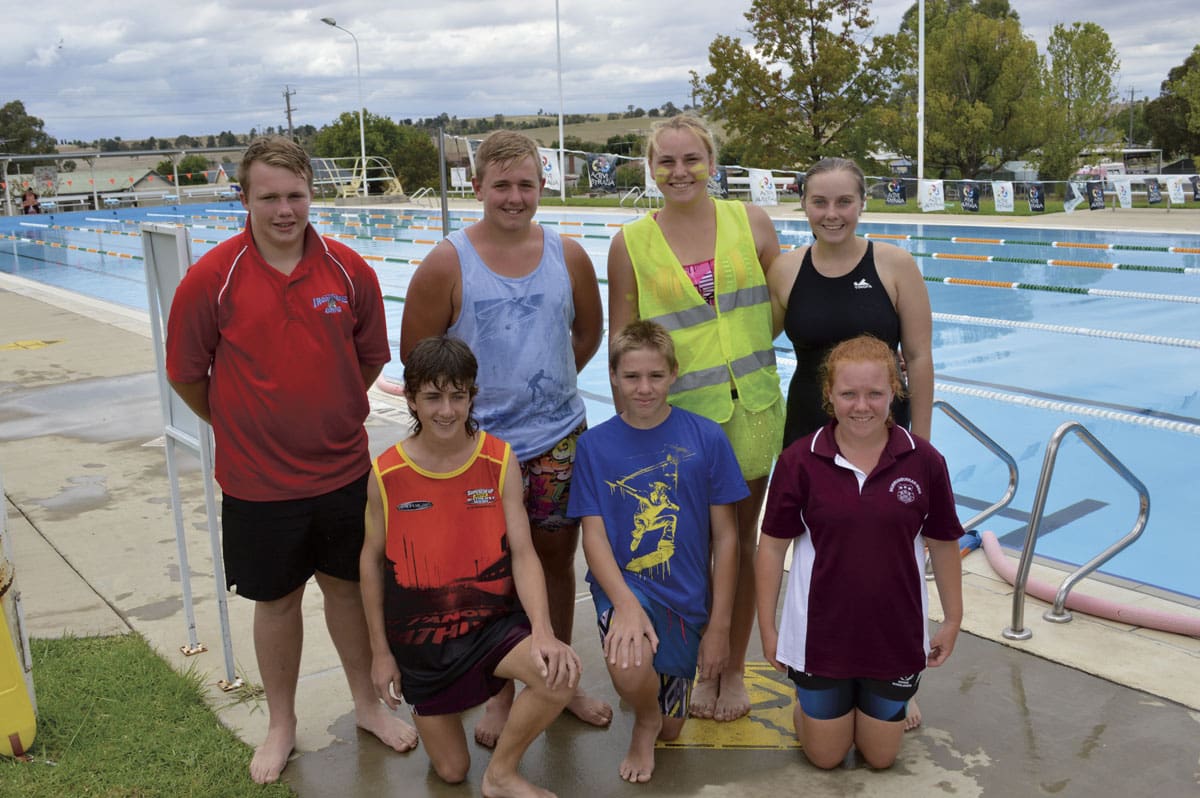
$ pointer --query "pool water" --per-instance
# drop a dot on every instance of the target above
(1032, 328)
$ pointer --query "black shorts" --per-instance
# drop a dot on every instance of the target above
(272, 548)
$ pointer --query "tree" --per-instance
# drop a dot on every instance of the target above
(191, 170)
(21, 133)
(1168, 114)
(806, 86)
(983, 87)
(1079, 77)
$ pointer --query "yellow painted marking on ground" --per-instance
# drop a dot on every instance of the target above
(28, 344)
(768, 726)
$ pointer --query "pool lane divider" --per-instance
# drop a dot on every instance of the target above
(1086, 264)
(1021, 242)
(1062, 289)
(1057, 406)
(1116, 335)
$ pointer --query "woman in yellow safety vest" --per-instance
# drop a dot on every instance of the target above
(698, 266)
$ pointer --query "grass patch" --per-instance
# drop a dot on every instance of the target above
(114, 719)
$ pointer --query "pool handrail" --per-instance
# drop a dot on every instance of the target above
(994, 448)
(1058, 613)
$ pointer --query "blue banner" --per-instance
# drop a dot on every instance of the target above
(896, 194)
(602, 172)
(1037, 198)
(970, 198)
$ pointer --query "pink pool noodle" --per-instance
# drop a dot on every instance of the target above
(1176, 623)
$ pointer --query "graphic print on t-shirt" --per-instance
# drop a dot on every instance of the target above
(653, 490)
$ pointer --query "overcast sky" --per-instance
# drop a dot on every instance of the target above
(135, 68)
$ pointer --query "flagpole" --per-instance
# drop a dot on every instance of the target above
(562, 172)
(921, 90)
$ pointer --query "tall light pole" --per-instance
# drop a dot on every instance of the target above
(562, 172)
(362, 130)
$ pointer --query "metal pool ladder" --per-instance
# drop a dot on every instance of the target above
(995, 449)
(1058, 613)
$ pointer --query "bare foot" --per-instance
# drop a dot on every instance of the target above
(271, 757)
(732, 701)
(913, 718)
(704, 698)
(511, 786)
(495, 715)
(590, 710)
(394, 732)
(638, 765)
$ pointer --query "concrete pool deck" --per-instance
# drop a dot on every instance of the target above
(1092, 707)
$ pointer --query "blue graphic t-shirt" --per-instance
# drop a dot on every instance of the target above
(653, 489)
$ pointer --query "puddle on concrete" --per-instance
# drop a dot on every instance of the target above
(80, 495)
(99, 410)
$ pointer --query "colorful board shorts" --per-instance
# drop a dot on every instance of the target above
(547, 482)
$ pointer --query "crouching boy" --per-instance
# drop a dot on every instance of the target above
(655, 488)
(452, 587)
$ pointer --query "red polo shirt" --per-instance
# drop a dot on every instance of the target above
(282, 353)
(856, 603)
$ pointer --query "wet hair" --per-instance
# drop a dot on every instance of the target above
(642, 334)
(861, 349)
(504, 148)
(443, 362)
(838, 165)
(275, 151)
(685, 122)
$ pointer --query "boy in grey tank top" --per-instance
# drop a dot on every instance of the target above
(527, 302)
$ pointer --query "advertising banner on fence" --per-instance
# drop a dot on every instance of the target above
(1153, 192)
(1175, 190)
(651, 186)
(1095, 193)
(1037, 198)
(896, 193)
(1076, 193)
(932, 196)
(1124, 189)
(718, 184)
(970, 197)
(602, 172)
(762, 187)
(1002, 193)
(550, 171)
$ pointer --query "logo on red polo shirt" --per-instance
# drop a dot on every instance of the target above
(905, 489)
(330, 302)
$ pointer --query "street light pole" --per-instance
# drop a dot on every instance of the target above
(362, 130)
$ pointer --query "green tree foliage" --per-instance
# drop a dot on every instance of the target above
(1174, 116)
(21, 133)
(1080, 75)
(410, 150)
(191, 170)
(804, 89)
(983, 87)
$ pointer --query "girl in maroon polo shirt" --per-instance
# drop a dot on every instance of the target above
(861, 498)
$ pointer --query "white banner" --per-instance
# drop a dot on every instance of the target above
(1124, 188)
(550, 169)
(1175, 191)
(933, 198)
(1002, 193)
(1077, 192)
(651, 186)
(762, 187)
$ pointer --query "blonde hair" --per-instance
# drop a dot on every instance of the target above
(642, 334)
(505, 147)
(861, 349)
(275, 151)
(684, 122)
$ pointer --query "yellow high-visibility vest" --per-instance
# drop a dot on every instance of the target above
(714, 345)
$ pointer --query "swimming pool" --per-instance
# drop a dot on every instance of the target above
(1032, 328)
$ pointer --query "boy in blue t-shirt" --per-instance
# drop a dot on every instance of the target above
(655, 488)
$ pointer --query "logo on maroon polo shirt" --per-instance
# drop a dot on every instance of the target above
(905, 489)
(330, 302)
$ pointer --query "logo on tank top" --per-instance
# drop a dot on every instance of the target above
(861, 283)
(905, 489)
(408, 507)
(330, 302)
(481, 497)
